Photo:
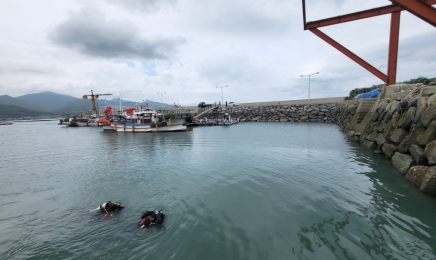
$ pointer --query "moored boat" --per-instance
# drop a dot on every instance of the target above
(5, 122)
(145, 121)
(229, 120)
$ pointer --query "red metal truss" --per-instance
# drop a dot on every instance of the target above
(420, 8)
(356, 16)
(393, 48)
(350, 54)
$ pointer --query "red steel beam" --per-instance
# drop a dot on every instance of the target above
(419, 9)
(353, 16)
(393, 48)
(350, 54)
(356, 16)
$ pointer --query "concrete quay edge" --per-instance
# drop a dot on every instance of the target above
(315, 101)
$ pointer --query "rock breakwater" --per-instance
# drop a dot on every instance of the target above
(289, 113)
(402, 128)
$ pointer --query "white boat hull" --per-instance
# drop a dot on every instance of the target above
(144, 129)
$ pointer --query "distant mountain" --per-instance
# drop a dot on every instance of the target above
(53, 103)
(7, 111)
(47, 101)
(81, 105)
(10, 101)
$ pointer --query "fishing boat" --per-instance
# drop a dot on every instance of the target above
(229, 120)
(144, 121)
(5, 122)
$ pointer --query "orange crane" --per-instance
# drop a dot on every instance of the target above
(93, 98)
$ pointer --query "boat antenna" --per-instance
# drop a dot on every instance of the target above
(119, 100)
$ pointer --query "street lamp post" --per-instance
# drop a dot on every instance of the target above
(161, 99)
(309, 81)
(222, 100)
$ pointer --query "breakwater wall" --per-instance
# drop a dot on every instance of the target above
(401, 125)
(278, 113)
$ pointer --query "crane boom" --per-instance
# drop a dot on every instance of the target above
(93, 98)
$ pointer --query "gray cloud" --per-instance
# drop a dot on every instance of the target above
(415, 56)
(142, 5)
(245, 17)
(249, 22)
(89, 32)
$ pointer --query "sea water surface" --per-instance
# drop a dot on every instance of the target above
(247, 191)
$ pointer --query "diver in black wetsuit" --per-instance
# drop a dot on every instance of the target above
(110, 207)
(151, 218)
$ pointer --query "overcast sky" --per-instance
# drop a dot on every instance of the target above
(186, 48)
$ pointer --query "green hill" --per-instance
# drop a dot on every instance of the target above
(52, 103)
(11, 101)
(47, 101)
(7, 111)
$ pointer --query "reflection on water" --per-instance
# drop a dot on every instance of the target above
(249, 191)
(382, 225)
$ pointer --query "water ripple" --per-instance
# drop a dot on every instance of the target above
(249, 191)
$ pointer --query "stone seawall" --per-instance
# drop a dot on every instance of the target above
(402, 127)
(278, 113)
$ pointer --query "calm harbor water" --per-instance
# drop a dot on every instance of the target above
(248, 191)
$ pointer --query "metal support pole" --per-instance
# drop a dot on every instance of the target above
(393, 48)
(222, 99)
(161, 100)
(309, 81)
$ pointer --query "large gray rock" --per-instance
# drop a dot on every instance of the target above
(398, 135)
(420, 106)
(380, 139)
(350, 133)
(363, 138)
(382, 105)
(381, 117)
(406, 143)
(416, 174)
(402, 162)
(372, 136)
(388, 128)
(395, 119)
(429, 182)
(381, 126)
(389, 149)
(406, 118)
(392, 106)
(429, 134)
(431, 99)
(430, 153)
(375, 116)
(369, 128)
(418, 154)
(428, 115)
(417, 131)
(370, 145)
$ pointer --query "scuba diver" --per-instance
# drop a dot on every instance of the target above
(110, 207)
(151, 218)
